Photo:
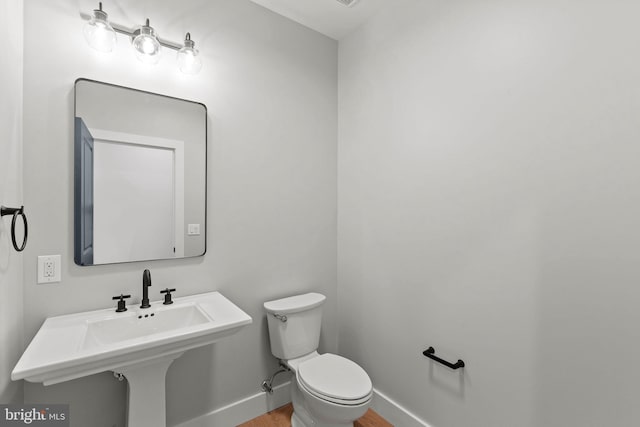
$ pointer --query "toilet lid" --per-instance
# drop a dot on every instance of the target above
(335, 377)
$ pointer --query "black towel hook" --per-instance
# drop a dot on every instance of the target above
(16, 212)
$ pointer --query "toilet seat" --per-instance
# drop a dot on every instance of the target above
(335, 379)
(333, 400)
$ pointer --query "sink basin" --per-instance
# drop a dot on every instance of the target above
(76, 345)
(131, 326)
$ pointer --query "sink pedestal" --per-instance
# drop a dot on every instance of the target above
(146, 403)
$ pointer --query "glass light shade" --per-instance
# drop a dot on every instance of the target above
(146, 45)
(188, 60)
(99, 33)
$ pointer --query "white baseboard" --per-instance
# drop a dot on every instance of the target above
(260, 403)
(243, 410)
(394, 413)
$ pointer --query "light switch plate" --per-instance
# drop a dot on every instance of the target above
(193, 230)
(49, 267)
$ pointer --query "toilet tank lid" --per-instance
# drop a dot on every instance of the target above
(295, 303)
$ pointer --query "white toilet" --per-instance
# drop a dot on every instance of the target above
(330, 390)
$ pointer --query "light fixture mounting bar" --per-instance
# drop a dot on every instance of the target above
(134, 32)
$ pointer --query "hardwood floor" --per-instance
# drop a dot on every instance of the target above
(281, 417)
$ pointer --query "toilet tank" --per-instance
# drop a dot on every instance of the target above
(300, 333)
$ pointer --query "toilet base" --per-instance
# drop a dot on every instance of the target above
(296, 421)
(301, 416)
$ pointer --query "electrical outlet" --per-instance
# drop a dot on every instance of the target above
(49, 267)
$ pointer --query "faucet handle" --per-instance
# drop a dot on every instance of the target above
(167, 296)
(121, 303)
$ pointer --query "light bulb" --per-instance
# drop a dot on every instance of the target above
(99, 33)
(188, 57)
(146, 44)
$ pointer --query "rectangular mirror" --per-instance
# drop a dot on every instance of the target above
(140, 175)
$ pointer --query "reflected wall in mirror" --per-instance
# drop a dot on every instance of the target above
(140, 175)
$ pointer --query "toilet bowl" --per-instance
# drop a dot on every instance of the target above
(329, 390)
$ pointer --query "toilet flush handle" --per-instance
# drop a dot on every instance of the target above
(280, 317)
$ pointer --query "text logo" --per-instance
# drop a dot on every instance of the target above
(34, 415)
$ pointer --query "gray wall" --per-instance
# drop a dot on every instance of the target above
(488, 206)
(11, 26)
(271, 90)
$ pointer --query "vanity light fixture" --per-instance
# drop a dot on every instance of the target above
(146, 44)
(98, 32)
(101, 35)
(188, 59)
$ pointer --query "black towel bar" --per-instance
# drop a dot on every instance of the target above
(430, 354)
(16, 212)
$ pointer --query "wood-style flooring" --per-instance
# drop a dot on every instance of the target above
(281, 417)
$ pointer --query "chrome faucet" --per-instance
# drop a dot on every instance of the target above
(146, 282)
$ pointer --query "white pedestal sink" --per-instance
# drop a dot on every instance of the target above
(139, 344)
